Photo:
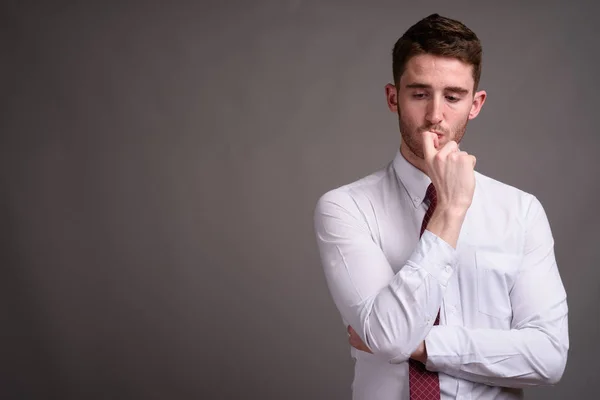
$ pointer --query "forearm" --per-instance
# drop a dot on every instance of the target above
(396, 319)
(417, 290)
(446, 223)
(391, 312)
(517, 358)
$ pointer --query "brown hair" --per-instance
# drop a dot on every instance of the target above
(438, 36)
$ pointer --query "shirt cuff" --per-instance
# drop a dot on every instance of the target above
(440, 354)
(435, 256)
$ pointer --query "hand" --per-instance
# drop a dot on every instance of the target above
(420, 354)
(356, 342)
(452, 173)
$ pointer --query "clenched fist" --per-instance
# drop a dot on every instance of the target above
(452, 173)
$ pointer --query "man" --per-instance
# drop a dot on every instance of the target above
(446, 278)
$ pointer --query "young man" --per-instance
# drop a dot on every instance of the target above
(446, 278)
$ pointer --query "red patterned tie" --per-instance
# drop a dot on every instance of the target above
(424, 385)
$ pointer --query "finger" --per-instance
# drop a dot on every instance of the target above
(352, 334)
(355, 339)
(458, 155)
(464, 155)
(470, 157)
(448, 148)
(364, 348)
(359, 346)
(429, 145)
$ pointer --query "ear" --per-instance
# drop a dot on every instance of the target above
(478, 101)
(391, 95)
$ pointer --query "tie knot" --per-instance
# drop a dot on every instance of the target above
(430, 195)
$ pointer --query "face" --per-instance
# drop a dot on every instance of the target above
(434, 94)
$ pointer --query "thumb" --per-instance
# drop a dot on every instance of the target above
(429, 145)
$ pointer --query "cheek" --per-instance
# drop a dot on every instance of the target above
(456, 114)
(408, 119)
(412, 112)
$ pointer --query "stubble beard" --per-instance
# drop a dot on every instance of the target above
(411, 136)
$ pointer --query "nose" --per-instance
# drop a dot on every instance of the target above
(435, 113)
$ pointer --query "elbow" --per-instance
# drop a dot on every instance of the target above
(555, 371)
(391, 354)
(388, 346)
(394, 354)
(390, 338)
(552, 367)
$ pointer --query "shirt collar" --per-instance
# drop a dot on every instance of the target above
(413, 179)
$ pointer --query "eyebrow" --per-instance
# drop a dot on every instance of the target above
(455, 89)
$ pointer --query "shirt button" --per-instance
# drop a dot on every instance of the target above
(448, 268)
(417, 199)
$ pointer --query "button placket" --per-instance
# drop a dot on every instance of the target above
(450, 302)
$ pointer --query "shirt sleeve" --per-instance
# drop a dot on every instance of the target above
(392, 313)
(534, 351)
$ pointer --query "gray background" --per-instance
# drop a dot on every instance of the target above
(160, 164)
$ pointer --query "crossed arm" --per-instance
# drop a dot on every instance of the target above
(392, 314)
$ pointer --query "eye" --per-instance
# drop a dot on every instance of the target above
(419, 95)
(452, 99)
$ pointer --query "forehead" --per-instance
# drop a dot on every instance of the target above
(438, 72)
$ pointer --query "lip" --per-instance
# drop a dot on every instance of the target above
(440, 135)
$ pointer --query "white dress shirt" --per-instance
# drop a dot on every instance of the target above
(503, 308)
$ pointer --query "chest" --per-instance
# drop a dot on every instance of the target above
(488, 262)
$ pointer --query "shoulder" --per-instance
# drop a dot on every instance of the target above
(350, 196)
(506, 197)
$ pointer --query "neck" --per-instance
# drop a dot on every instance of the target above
(412, 158)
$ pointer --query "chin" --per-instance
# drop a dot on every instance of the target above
(446, 139)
